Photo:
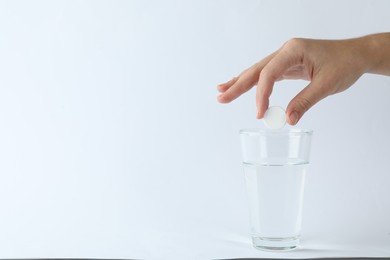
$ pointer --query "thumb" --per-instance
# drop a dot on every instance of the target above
(302, 102)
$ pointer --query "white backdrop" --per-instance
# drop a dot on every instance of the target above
(112, 144)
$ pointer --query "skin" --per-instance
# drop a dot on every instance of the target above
(330, 66)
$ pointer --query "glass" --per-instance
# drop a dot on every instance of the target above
(275, 163)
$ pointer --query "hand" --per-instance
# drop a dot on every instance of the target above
(331, 66)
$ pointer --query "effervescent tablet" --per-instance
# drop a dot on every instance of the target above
(275, 117)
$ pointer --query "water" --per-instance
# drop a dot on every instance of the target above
(275, 194)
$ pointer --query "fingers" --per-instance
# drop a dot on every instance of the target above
(225, 86)
(239, 85)
(304, 100)
(265, 73)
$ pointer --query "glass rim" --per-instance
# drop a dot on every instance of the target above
(284, 131)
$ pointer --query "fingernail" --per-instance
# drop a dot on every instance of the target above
(258, 114)
(294, 117)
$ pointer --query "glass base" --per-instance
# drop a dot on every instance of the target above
(275, 243)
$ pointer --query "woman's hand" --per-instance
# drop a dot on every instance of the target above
(331, 66)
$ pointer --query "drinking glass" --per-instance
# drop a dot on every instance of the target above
(275, 163)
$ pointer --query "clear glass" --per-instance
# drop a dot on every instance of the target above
(275, 163)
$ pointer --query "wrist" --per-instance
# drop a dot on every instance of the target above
(375, 50)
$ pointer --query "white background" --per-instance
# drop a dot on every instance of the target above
(112, 144)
